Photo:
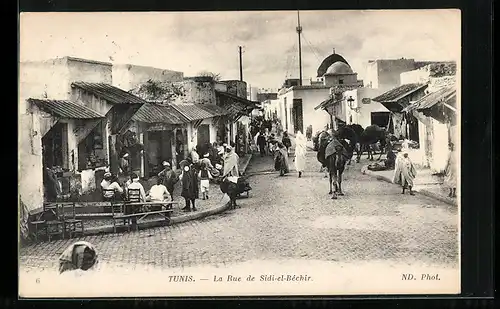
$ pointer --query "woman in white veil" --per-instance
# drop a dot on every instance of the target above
(300, 152)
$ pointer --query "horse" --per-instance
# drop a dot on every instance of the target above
(371, 136)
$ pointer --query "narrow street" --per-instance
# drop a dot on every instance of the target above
(289, 218)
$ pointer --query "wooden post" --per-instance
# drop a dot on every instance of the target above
(241, 64)
(186, 137)
(113, 155)
(173, 142)
(144, 154)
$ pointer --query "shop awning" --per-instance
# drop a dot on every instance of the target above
(66, 109)
(194, 112)
(328, 102)
(391, 98)
(125, 103)
(446, 96)
(236, 107)
(109, 93)
(159, 113)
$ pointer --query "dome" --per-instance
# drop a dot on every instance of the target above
(328, 61)
(339, 68)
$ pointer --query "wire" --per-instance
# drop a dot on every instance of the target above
(292, 64)
(311, 47)
(289, 62)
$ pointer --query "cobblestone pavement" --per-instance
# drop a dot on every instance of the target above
(290, 218)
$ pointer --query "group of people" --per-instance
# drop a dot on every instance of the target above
(112, 190)
(269, 144)
(217, 161)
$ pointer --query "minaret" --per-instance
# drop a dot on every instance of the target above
(299, 31)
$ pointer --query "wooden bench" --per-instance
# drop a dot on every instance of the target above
(134, 218)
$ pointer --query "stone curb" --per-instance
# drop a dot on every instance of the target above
(424, 192)
(245, 166)
(175, 220)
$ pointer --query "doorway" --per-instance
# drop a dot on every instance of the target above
(159, 150)
(412, 123)
(203, 136)
(297, 115)
(381, 119)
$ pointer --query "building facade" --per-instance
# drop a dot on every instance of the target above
(129, 76)
(300, 102)
(385, 74)
(361, 109)
(48, 81)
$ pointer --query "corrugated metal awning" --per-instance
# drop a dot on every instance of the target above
(156, 113)
(446, 95)
(248, 104)
(66, 109)
(110, 93)
(398, 93)
(193, 112)
(236, 106)
(328, 102)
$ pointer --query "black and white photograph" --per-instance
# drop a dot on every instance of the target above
(239, 153)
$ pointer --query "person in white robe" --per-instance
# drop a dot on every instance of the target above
(405, 173)
(300, 152)
(450, 178)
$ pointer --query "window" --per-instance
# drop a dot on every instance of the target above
(91, 152)
(341, 81)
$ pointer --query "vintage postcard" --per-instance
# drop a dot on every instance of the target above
(239, 153)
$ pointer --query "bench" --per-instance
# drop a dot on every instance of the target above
(134, 218)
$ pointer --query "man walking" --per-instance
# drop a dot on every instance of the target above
(405, 173)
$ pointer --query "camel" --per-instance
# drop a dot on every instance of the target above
(368, 139)
(334, 154)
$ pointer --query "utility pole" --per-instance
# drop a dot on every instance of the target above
(241, 64)
(299, 31)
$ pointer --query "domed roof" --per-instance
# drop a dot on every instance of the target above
(328, 61)
(339, 68)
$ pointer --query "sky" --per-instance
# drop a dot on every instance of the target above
(193, 42)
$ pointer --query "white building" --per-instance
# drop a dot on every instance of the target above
(299, 102)
(360, 109)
